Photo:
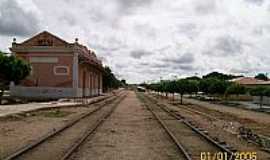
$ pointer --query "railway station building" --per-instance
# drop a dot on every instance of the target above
(59, 69)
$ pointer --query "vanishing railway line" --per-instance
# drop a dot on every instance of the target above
(60, 143)
(191, 141)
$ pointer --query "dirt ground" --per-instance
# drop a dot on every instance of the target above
(221, 129)
(239, 112)
(129, 133)
(236, 121)
(259, 122)
(18, 130)
(191, 141)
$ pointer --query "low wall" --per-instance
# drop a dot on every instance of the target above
(266, 100)
(42, 92)
(49, 92)
(240, 98)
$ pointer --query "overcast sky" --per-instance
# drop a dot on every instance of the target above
(143, 40)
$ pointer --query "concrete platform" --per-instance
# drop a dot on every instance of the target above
(6, 110)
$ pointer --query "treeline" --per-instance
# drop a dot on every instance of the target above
(12, 69)
(214, 84)
(110, 81)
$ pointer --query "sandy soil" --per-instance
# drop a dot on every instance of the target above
(129, 133)
(18, 130)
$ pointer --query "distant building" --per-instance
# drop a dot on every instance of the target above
(59, 68)
(250, 82)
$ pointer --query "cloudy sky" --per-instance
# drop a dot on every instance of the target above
(143, 40)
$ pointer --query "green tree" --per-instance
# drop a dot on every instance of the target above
(204, 85)
(217, 87)
(213, 86)
(236, 89)
(193, 86)
(109, 80)
(123, 81)
(220, 76)
(165, 87)
(182, 87)
(168, 86)
(12, 70)
(260, 92)
(153, 87)
(261, 76)
(193, 78)
(172, 86)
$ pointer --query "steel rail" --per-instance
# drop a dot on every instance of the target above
(91, 131)
(171, 135)
(54, 132)
(185, 108)
(209, 139)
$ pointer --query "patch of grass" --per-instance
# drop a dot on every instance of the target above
(49, 113)
(15, 117)
(55, 114)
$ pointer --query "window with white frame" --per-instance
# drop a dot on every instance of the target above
(61, 70)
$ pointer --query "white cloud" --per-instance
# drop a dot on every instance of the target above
(15, 20)
(145, 40)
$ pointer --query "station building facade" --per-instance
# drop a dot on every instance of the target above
(59, 69)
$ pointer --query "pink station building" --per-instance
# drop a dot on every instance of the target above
(59, 69)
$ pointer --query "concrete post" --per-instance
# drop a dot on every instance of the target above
(75, 75)
(91, 84)
(100, 84)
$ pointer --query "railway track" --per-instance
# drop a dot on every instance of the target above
(191, 141)
(60, 143)
(263, 141)
(190, 110)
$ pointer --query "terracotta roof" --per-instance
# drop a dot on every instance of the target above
(250, 81)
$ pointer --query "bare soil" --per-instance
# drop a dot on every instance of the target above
(21, 129)
(129, 133)
(257, 121)
(236, 121)
(225, 129)
(190, 140)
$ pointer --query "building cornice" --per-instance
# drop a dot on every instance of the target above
(30, 49)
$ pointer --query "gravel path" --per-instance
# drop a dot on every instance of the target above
(129, 133)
